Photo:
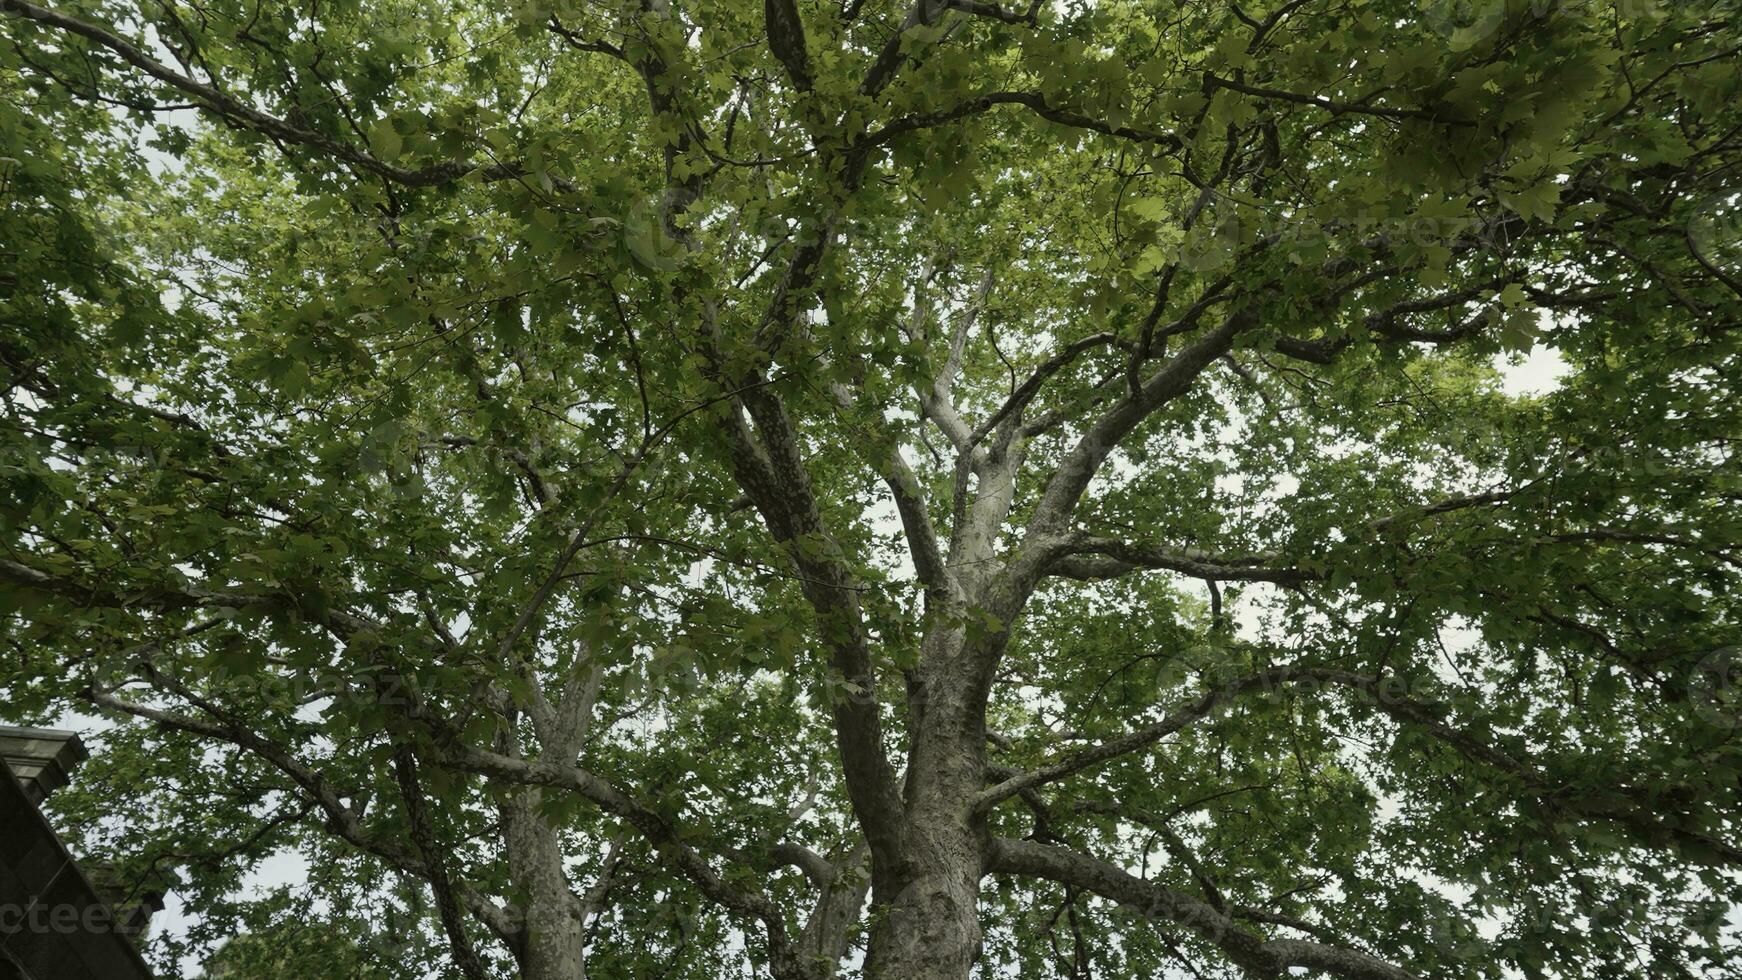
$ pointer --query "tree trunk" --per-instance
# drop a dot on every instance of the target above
(552, 944)
(929, 929)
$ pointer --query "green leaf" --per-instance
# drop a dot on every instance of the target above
(384, 138)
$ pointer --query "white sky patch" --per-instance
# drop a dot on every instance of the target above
(1535, 373)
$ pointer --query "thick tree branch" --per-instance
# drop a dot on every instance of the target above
(1118, 557)
(1176, 718)
(1031, 386)
(771, 471)
(423, 836)
(1213, 81)
(341, 820)
(1389, 697)
(656, 828)
(1084, 459)
(910, 505)
(786, 39)
(922, 537)
(1158, 902)
(893, 55)
(238, 113)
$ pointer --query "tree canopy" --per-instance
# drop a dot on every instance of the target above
(879, 488)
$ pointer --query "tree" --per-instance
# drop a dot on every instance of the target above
(677, 488)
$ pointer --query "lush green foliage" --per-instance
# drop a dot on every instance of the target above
(494, 406)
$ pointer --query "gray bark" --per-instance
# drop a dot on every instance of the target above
(552, 944)
(928, 927)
